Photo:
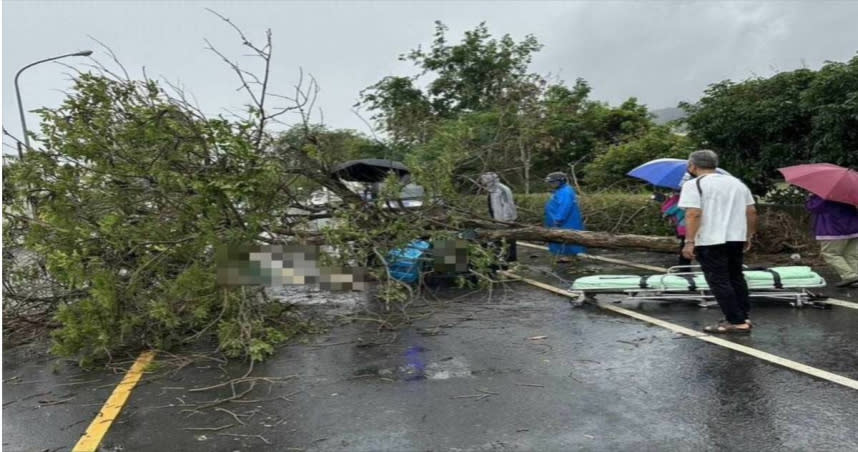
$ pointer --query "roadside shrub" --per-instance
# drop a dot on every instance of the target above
(616, 212)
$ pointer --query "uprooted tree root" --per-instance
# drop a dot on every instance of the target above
(780, 231)
(24, 329)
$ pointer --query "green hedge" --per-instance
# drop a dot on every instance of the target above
(617, 212)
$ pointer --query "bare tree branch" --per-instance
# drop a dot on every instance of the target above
(245, 41)
(236, 69)
(70, 67)
(113, 56)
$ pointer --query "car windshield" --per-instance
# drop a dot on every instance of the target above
(412, 191)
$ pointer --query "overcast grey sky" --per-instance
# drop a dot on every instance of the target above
(660, 52)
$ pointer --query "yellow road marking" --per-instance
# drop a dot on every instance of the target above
(774, 359)
(113, 406)
(831, 301)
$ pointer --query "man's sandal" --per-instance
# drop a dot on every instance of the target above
(726, 328)
(748, 321)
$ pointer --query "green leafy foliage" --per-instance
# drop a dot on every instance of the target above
(132, 191)
(477, 74)
(832, 99)
(482, 109)
(580, 128)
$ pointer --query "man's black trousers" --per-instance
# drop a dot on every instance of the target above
(722, 268)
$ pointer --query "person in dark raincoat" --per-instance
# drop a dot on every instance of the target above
(836, 228)
(562, 212)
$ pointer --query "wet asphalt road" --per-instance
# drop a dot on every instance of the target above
(47, 404)
(520, 371)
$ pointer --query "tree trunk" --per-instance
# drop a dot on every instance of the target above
(585, 238)
(525, 162)
(527, 177)
(487, 229)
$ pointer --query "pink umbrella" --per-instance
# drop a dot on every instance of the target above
(830, 182)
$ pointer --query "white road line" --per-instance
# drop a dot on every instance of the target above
(600, 258)
(842, 303)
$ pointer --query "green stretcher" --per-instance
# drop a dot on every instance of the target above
(683, 283)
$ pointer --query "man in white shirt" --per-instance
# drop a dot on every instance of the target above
(720, 220)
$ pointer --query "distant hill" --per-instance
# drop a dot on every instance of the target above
(665, 115)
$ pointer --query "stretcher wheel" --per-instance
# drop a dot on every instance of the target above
(581, 299)
(813, 296)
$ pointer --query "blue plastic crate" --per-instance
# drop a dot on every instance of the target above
(405, 263)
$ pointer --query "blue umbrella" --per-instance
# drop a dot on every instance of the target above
(666, 173)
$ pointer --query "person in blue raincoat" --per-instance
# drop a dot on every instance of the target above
(562, 212)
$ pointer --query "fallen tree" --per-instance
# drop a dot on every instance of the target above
(135, 189)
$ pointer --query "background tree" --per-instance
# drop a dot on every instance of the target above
(483, 108)
(400, 109)
(832, 99)
(582, 129)
(794, 117)
(475, 75)
(608, 170)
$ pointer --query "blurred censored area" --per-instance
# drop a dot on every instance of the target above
(276, 265)
(450, 256)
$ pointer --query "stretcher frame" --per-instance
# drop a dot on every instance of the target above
(796, 296)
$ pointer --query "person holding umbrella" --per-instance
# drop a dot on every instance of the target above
(835, 215)
(669, 173)
(670, 210)
(835, 225)
(562, 211)
(666, 172)
(720, 220)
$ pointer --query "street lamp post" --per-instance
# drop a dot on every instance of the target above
(18, 93)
